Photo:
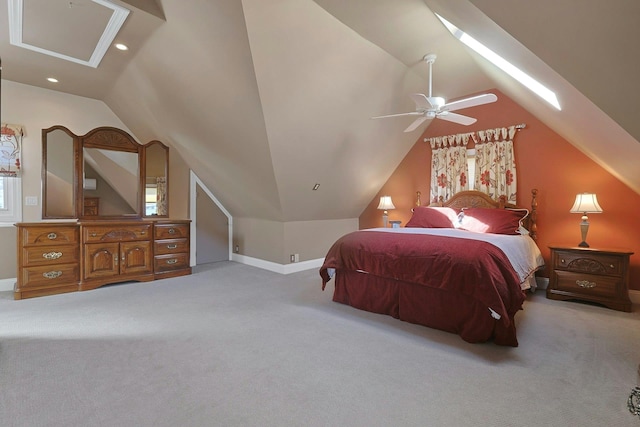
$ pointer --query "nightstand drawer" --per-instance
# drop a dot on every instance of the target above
(593, 285)
(588, 263)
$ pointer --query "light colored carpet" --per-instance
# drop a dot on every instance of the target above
(234, 345)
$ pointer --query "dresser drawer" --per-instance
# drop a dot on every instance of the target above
(116, 233)
(49, 235)
(49, 255)
(171, 262)
(588, 263)
(49, 275)
(593, 285)
(173, 246)
(171, 231)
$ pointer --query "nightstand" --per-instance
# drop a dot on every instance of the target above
(590, 274)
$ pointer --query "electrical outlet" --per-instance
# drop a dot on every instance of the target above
(31, 201)
(292, 258)
(236, 249)
(296, 258)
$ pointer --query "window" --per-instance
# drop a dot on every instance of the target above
(10, 195)
(471, 164)
(515, 72)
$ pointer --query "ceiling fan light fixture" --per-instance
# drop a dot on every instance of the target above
(431, 107)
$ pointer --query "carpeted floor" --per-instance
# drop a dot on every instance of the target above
(234, 345)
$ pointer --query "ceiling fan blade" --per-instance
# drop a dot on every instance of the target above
(417, 122)
(456, 118)
(470, 102)
(413, 113)
(421, 100)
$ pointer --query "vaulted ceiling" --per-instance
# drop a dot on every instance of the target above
(264, 99)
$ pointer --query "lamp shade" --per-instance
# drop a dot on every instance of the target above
(586, 203)
(386, 203)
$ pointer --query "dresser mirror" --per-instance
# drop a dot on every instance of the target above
(110, 183)
(156, 182)
(102, 175)
(58, 173)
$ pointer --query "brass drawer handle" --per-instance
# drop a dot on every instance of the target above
(172, 231)
(172, 261)
(142, 233)
(585, 284)
(52, 274)
(52, 236)
(51, 255)
(94, 234)
(172, 246)
(611, 266)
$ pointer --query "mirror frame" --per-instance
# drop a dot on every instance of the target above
(114, 139)
(109, 138)
(43, 178)
(146, 147)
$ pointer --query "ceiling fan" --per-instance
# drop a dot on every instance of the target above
(431, 107)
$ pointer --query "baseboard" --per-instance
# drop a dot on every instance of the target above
(7, 284)
(278, 268)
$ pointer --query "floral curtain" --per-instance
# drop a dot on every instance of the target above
(495, 163)
(449, 170)
(10, 144)
(161, 195)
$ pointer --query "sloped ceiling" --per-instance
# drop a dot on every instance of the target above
(264, 99)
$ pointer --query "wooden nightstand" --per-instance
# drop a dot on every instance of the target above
(589, 274)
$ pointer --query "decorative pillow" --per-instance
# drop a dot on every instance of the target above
(433, 217)
(496, 221)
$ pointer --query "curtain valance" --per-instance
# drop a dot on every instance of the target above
(451, 140)
(10, 146)
(481, 135)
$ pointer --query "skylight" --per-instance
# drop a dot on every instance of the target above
(528, 81)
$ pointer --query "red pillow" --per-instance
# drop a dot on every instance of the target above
(496, 221)
(433, 217)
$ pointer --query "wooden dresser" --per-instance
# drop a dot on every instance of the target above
(588, 274)
(48, 259)
(57, 257)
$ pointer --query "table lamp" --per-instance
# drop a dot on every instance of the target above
(585, 203)
(385, 204)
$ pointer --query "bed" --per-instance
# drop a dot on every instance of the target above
(461, 266)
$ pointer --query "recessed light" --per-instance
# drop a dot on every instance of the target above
(52, 79)
(121, 46)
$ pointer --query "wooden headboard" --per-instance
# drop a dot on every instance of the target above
(477, 199)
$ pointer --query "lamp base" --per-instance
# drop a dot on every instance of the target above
(584, 229)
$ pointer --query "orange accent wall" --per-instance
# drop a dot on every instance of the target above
(544, 160)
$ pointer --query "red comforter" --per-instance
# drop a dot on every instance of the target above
(475, 269)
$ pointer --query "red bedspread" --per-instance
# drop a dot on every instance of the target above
(475, 269)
